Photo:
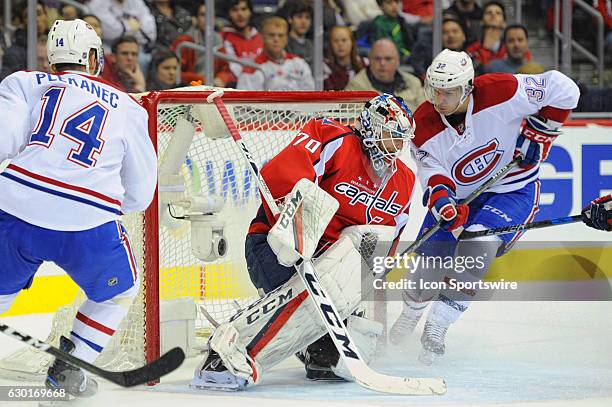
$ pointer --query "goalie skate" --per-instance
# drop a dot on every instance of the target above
(213, 375)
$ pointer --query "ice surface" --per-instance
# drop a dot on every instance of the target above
(499, 353)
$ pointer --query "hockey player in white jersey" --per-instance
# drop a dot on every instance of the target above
(80, 157)
(467, 130)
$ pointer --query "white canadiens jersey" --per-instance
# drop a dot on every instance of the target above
(497, 107)
(80, 151)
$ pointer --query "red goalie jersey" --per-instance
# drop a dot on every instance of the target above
(330, 154)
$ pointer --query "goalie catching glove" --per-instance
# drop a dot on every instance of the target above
(303, 219)
(598, 214)
(535, 140)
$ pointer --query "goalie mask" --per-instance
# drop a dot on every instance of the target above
(70, 42)
(385, 126)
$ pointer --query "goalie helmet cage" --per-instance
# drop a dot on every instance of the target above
(268, 121)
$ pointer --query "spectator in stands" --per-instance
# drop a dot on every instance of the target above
(125, 17)
(594, 98)
(42, 60)
(280, 70)
(605, 9)
(123, 69)
(517, 51)
(69, 12)
(240, 39)
(470, 15)
(198, 36)
(453, 38)
(171, 21)
(15, 57)
(360, 11)
(342, 62)
(453, 35)
(300, 20)
(490, 45)
(94, 22)
(419, 16)
(164, 67)
(391, 25)
(418, 11)
(332, 14)
(383, 75)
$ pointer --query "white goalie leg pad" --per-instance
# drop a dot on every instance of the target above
(366, 333)
(285, 320)
(306, 212)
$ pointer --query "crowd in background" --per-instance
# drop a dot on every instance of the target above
(382, 45)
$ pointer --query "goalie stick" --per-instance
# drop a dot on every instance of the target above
(522, 227)
(359, 370)
(168, 362)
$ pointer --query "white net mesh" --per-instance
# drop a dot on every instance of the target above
(213, 166)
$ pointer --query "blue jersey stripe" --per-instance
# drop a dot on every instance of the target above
(528, 177)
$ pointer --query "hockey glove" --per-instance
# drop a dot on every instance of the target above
(598, 214)
(440, 200)
(535, 140)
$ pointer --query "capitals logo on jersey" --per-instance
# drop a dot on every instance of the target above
(478, 163)
(370, 201)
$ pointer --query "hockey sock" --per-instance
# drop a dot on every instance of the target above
(452, 303)
(96, 322)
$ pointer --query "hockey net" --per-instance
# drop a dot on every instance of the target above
(174, 282)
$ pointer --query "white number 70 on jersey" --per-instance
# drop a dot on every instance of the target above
(311, 145)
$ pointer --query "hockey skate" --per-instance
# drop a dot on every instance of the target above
(62, 375)
(317, 359)
(406, 322)
(213, 375)
(433, 342)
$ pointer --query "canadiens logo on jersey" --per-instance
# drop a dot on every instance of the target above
(478, 163)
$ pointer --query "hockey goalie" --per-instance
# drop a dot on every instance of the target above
(343, 190)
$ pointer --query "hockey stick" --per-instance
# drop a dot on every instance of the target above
(343, 341)
(168, 362)
(475, 194)
(522, 227)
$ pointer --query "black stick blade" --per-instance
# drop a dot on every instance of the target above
(167, 363)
